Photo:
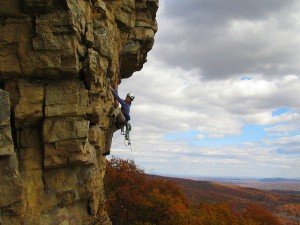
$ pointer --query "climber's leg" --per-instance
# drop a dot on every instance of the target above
(120, 120)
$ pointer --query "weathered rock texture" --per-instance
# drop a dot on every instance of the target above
(57, 60)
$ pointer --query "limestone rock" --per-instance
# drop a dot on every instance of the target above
(57, 61)
(71, 152)
(64, 129)
(65, 98)
(31, 159)
(29, 138)
(6, 142)
(29, 107)
(5, 108)
(89, 34)
(37, 6)
(101, 8)
(124, 18)
(14, 41)
(10, 7)
(11, 185)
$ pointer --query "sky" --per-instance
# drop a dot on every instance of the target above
(220, 93)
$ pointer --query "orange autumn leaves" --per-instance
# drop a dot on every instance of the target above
(133, 198)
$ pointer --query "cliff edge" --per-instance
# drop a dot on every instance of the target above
(57, 60)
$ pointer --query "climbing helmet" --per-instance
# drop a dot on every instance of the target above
(131, 96)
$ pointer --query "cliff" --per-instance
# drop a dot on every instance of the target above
(57, 60)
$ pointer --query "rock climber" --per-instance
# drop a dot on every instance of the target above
(121, 115)
(121, 118)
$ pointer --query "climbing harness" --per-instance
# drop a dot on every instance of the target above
(126, 132)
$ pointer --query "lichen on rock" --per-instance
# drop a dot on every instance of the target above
(57, 60)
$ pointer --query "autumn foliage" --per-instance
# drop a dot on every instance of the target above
(133, 198)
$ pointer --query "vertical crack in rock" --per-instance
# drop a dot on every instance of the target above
(10, 186)
(40, 128)
(14, 131)
(57, 61)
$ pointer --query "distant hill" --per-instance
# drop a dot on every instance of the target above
(279, 180)
(264, 184)
(285, 204)
(259, 183)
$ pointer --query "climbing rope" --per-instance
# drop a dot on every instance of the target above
(126, 132)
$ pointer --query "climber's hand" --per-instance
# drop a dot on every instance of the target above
(116, 104)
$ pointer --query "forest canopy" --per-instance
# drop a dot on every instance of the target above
(135, 198)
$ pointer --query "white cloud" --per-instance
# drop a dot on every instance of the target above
(174, 100)
(194, 83)
(267, 118)
(228, 38)
(282, 129)
(200, 136)
(288, 145)
(293, 140)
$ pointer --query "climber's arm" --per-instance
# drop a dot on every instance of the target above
(115, 94)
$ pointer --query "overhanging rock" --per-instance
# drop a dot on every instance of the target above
(57, 61)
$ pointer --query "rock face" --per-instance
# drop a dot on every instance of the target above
(57, 60)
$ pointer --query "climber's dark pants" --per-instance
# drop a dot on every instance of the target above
(119, 121)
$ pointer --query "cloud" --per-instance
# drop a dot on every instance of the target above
(225, 38)
(224, 10)
(288, 145)
(159, 156)
(174, 101)
(210, 99)
(282, 129)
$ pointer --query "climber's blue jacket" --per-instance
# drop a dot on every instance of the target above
(125, 106)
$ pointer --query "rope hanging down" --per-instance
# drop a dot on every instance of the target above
(126, 132)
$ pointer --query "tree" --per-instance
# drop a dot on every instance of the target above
(132, 198)
(135, 198)
(255, 214)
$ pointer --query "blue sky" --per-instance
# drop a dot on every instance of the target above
(222, 101)
(249, 133)
(280, 111)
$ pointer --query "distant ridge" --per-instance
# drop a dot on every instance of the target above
(286, 184)
(278, 201)
(278, 180)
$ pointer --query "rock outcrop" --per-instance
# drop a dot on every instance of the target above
(57, 60)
